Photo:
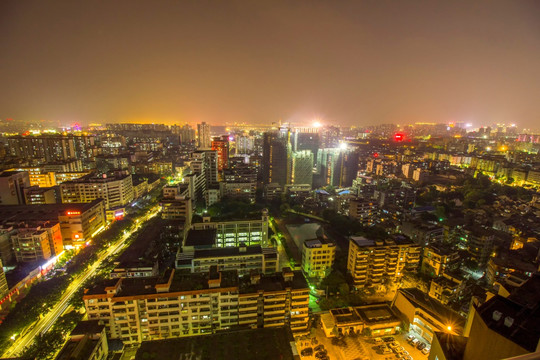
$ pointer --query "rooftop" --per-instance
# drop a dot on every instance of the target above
(201, 238)
(512, 320)
(453, 346)
(262, 344)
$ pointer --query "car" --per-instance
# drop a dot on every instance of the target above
(321, 355)
(410, 337)
(426, 350)
(408, 357)
(420, 345)
(394, 344)
(388, 339)
(307, 352)
(414, 342)
(319, 348)
(378, 340)
(386, 351)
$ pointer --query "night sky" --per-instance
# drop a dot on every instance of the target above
(350, 63)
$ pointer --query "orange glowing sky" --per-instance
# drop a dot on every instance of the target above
(346, 62)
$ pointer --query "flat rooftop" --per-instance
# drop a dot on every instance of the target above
(42, 211)
(262, 344)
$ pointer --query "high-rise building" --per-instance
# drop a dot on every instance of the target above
(302, 167)
(277, 157)
(53, 147)
(203, 136)
(186, 134)
(306, 139)
(221, 145)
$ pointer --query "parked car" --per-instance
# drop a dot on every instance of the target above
(394, 344)
(426, 350)
(410, 337)
(319, 348)
(414, 342)
(378, 340)
(386, 351)
(388, 339)
(420, 345)
(307, 352)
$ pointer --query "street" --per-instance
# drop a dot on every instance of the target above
(48, 320)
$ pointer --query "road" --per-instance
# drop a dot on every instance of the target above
(48, 320)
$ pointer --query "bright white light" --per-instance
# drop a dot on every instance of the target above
(343, 146)
(468, 125)
(488, 148)
(317, 124)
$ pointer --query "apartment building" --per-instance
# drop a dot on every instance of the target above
(243, 259)
(87, 341)
(371, 261)
(179, 208)
(318, 256)
(36, 241)
(39, 195)
(365, 211)
(175, 305)
(38, 177)
(78, 222)
(117, 191)
(437, 259)
(12, 184)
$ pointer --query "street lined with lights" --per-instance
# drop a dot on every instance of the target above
(48, 320)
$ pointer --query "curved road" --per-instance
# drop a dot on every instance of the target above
(48, 320)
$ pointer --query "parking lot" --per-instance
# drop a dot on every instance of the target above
(359, 348)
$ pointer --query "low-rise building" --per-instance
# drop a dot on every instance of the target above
(445, 288)
(423, 316)
(371, 320)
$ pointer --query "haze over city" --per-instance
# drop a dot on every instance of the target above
(347, 63)
(269, 180)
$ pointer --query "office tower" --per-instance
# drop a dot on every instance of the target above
(327, 172)
(302, 167)
(203, 136)
(221, 145)
(12, 184)
(306, 139)
(277, 157)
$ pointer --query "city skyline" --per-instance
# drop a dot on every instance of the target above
(353, 64)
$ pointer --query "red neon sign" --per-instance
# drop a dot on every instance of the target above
(73, 213)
